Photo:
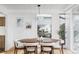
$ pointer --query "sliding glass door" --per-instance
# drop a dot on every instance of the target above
(76, 33)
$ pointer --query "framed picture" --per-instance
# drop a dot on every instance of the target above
(28, 25)
(20, 21)
(44, 26)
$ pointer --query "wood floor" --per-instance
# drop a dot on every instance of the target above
(56, 51)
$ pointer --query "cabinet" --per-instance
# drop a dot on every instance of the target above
(2, 21)
(2, 33)
(2, 42)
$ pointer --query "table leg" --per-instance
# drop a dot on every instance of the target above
(24, 50)
(61, 49)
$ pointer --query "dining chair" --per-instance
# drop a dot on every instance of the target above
(18, 46)
(30, 48)
(47, 49)
(46, 46)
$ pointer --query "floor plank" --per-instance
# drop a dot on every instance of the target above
(56, 51)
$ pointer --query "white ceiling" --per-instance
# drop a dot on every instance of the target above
(34, 6)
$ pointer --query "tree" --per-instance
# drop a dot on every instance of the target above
(61, 32)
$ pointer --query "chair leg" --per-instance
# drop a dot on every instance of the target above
(52, 50)
(15, 51)
(36, 50)
(25, 50)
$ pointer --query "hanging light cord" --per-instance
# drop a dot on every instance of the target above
(38, 8)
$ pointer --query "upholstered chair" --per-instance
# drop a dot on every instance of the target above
(31, 48)
(47, 49)
(18, 46)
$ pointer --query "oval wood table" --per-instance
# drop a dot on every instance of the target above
(38, 43)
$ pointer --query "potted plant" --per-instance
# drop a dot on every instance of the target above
(61, 32)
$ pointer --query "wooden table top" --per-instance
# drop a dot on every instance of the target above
(35, 40)
(29, 40)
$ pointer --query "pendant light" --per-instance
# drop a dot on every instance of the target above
(38, 8)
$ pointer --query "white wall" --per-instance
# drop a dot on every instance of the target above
(13, 32)
(10, 32)
(21, 31)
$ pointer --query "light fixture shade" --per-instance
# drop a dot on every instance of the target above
(38, 5)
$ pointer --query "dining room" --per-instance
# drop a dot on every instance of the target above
(37, 28)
